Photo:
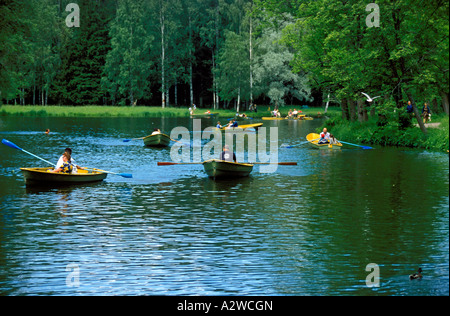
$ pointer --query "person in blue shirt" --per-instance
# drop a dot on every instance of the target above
(227, 155)
(409, 108)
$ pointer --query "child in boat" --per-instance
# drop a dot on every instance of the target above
(66, 166)
(218, 125)
(333, 140)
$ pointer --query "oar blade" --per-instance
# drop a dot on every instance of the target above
(166, 163)
(127, 140)
(10, 144)
(126, 175)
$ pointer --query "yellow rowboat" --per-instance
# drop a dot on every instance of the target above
(245, 126)
(273, 118)
(42, 176)
(314, 138)
(299, 118)
(225, 169)
(157, 140)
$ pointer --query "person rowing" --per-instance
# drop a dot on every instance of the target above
(156, 131)
(68, 154)
(324, 137)
(227, 155)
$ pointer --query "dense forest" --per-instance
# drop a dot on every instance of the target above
(225, 53)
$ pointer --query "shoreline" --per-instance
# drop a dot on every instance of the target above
(136, 111)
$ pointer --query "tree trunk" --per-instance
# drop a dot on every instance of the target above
(191, 85)
(328, 103)
(352, 109)
(251, 60)
(416, 112)
(362, 112)
(344, 108)
(444, 96)
(163, 57)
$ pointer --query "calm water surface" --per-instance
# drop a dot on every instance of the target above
(305, 230)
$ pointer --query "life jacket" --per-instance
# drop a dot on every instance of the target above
(67, 167)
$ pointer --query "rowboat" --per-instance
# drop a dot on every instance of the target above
(43, 176)
(226, 169)
(299, 117)
(273, 118)
(313, 139)
(245, 126)
(157, 140)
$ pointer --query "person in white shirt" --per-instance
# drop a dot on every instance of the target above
(324, 137)
(61, 161)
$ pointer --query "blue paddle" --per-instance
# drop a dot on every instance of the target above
(12, 145)
(363, 147)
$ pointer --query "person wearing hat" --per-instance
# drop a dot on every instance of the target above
(227, 155)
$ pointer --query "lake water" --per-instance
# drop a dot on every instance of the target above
(310, 229)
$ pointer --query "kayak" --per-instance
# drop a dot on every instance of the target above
(245, 126)
(226, 169)
(43, 176)
(313, 140)
(157, 140)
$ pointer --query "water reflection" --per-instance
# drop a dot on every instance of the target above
(307, 230)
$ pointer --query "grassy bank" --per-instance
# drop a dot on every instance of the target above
(137, 111)
(392, 133)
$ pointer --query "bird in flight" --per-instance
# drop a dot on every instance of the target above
(369, 99)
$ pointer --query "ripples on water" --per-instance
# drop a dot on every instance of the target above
(170, 230)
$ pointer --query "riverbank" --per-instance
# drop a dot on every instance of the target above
(391, 133)
(137, 111)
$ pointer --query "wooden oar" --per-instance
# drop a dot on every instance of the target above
(251, 163)
(12, 145)
(178, 163)
(363, 147)
(274, 163)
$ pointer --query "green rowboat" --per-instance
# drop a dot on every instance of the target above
(157, 140)
(218, 169)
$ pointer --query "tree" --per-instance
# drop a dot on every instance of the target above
(128, 65)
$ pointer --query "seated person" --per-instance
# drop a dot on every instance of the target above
(324, 137)
(156, 131)
(66, 166)
(227, 155)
